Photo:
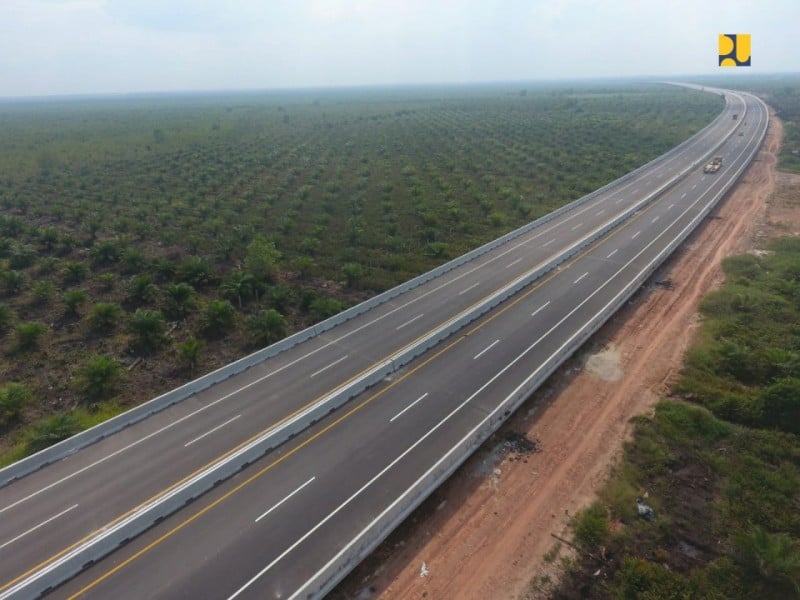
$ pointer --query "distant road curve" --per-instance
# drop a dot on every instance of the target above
(368, 458)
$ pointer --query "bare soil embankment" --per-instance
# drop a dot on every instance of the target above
(484, 534)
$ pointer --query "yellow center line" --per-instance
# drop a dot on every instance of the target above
(352, 411)
(236, 448)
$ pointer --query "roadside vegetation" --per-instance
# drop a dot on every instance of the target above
(719, 462)
(146, 240)
(782, 93)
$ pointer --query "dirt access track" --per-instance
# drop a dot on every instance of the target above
(485, 532)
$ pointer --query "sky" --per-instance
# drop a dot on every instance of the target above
(58, 47)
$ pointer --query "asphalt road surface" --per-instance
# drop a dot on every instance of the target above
(267, 531)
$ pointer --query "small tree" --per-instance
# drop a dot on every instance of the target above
(104, 316)
(304, 265)
(217, 317)
(239, 286)
(772, 557)
(13, 398)
(74, 272)
(99, 376)
(262, 259)
(189, 354)
(105, 252)
(42, 290)
(281, 296)
(322, 308)
(266, 327)
(179, 300)
(141, 290)
(353, 272)
(5, 317)
(73, 299)
(28, 335)
(782, 404)
(107, 281)
(49, 237)
(13, 281)
(148, 326)
(195, 271)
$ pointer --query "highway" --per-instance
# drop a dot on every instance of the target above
(270, 529)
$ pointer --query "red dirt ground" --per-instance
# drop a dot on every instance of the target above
(485, 533)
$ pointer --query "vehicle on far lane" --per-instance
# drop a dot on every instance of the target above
(714, 165)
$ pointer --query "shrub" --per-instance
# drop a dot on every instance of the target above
(42, 290)
(13, 282)
(74, 272)
(104, 316)
(322, 308)
(5, 317)
(772, 557)
(73, 299)
(195, 271)
(217, 317)
(28, 335)
(180, 300)
(353, 272)
(266, 327)
(189, 353)
(52, 430)
(13, 398)
(99, 376)
(590, 526)
(148, 326)
(141, 290)
(781, 402)
(107, 280)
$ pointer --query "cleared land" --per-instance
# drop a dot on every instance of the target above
(487, 532)
(146, 240)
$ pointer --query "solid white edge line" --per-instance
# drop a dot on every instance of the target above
(42, 524)
(409, 322)
(294, 362)
(485, 350)
(116, 527)
(542, 307)
(425, 395)
(466, 437)
(207, 433)
(325, 368)
(285, 499)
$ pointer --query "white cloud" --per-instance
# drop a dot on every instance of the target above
(74, 46)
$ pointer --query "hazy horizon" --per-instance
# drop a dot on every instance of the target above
(120, 47)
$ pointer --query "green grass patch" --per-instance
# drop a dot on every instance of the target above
(51, 430)
(722, 472)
